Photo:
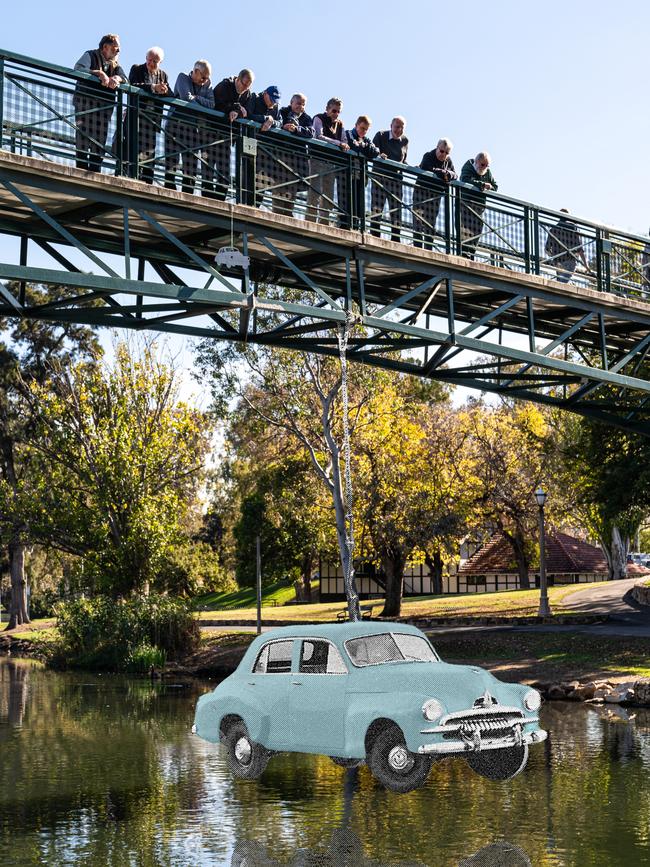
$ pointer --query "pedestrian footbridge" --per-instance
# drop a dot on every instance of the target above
(137, 255)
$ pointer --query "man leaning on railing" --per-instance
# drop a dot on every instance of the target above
(387, 180)
(263, 108)
(360, 145)
(186, 133)
(94, 102)
(231, 96)
(150, 77)
(477, 173)
(427, 194)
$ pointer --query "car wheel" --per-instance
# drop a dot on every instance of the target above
(246, 758)
(394, 765)
(499, 764)
(346, 763)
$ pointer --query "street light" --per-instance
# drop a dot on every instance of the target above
(544, 610)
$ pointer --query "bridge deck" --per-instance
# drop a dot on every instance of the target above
(91, 207)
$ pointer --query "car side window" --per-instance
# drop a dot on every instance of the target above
(274, 658)
(320, 657)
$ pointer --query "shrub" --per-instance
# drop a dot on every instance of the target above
(104, 633)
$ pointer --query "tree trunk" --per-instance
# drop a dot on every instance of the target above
(339, 511)
(619, 549)
(18, 605)
(435, 565)
(307, 567)
(393, 569)
(518, 545)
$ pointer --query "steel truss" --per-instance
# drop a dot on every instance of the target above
(425, 313)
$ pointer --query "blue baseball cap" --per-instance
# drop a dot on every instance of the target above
(273, 92)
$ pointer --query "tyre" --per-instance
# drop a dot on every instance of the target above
(394, 765)
(246, 758)
(346, 763)
(499, 764)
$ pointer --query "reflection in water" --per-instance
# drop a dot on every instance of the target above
(346, 850)
(99, 770)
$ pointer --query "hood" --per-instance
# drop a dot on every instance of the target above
(456, 686)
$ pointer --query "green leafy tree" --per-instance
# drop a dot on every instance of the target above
(122, 463)
(27, 350)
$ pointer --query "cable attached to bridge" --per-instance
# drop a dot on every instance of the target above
(350, 589)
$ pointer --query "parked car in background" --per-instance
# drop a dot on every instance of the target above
(367, 692)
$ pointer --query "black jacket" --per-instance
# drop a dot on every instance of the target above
(226, 98)
(431, 163)
(395, 149)
(258, 110)
(303, 121)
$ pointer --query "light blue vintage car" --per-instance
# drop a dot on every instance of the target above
(373, 692)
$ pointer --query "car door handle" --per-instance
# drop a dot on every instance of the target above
(296, 682)
(252, 683)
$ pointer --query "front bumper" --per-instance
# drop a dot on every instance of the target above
(478, 743)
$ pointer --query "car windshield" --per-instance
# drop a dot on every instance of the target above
(389, 647)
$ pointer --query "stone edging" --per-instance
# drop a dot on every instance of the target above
(635, 693)
(641, 593)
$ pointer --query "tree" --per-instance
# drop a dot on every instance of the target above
(608, 471)
(510, 453)
(124, 460)
(29, 348)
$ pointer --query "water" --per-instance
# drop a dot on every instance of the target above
(103, 770)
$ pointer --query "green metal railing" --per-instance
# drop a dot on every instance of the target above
(52, 113)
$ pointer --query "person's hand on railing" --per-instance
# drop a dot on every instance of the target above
(344, 146)
(114, 82)
(161, 88)
(268, 123)
(104, 80)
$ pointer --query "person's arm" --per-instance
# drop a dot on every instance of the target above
(490, 180)
(306, 127)
(205, 96)
(83, 64)
(183, 87)
(468, 175)
(426, 163)
(121, 74)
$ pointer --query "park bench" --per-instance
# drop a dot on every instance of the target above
(366, 613)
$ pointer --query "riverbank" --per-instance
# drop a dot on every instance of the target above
(562, 666)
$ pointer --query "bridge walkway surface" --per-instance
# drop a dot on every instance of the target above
(448, 283)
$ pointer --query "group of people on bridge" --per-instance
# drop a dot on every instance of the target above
(188, 140)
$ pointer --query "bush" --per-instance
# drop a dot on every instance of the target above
(144, 657)
(118, 635)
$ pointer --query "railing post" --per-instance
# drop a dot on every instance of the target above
(603, 262)
(118, 147)
(536, 265)
(447, 206)
(133, 134)
(2, 101)
(245, 157)
(458, 202)
(527, 262)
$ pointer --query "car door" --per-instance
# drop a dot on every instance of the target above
(317, 696)
(268, 686)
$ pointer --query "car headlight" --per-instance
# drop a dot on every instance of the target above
(532, 700)
(432, 709)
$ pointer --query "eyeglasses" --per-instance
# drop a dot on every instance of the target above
(335, 110)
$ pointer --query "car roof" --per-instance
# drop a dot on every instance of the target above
(336, 631)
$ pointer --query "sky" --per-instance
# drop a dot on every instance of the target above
(555, 91)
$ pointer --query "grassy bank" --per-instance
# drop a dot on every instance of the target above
(509, 656)
(516, 603)
(245, 597)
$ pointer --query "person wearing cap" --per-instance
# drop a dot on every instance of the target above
(94, 100)
(328, 127)
(231, 96)
(476, 173)
(264, 108)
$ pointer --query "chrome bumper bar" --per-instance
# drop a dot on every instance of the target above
(477, 744)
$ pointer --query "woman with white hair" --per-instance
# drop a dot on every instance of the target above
(150, 77)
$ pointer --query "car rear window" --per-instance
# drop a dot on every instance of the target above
(389, 647)
(274, 658)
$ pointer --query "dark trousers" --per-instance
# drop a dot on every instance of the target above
(148, 128)
(471, 227)
(426, 205)
(92, 118)
(386, 189)
(182, 141)
(215, 173)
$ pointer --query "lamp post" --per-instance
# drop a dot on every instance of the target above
(544, 610)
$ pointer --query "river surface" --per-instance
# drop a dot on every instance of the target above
(103, 770)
